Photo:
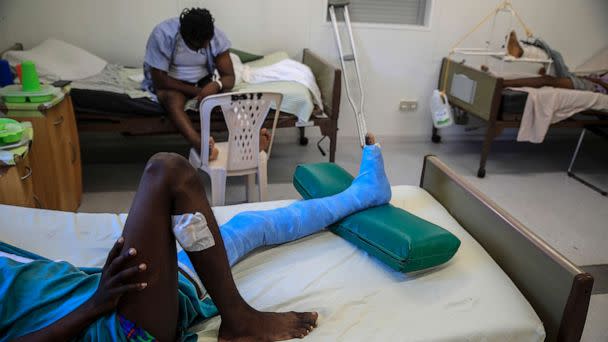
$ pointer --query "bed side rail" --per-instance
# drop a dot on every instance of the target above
(558, 291)
(488, 89)
(329, 79)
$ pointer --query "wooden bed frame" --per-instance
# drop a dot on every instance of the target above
(558, 290)
(328, 77)
(487, 103)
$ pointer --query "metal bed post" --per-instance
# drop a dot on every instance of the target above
(574, 156)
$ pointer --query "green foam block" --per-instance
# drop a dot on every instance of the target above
(403, 241)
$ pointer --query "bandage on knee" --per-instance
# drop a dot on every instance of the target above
(192, 232)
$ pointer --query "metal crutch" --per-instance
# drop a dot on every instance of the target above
(359, 111)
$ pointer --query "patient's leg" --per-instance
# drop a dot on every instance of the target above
(249, 230)
(173, 101)
(539, 82)
(170, 186)
(513, 46)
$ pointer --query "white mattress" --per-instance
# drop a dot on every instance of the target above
(358, 299)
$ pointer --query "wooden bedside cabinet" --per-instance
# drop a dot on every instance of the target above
(55, 151)
(16, 184)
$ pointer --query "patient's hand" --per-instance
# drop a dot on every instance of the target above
(116, 279)
(208, 90)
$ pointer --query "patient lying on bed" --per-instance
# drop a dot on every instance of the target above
(539, 49)
(140, 294)
(181, 57)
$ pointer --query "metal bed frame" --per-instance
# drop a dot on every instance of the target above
(570, 171)
(486, 105)
(558, 290)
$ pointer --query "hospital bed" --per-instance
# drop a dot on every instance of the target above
(501, 108)
(106, 111)
(504, 283)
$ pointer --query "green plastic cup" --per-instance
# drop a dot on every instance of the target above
(29, 77)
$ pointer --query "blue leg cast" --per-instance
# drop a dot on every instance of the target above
(250, 230)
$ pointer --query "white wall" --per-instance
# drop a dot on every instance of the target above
(4, 40)
(397, 63)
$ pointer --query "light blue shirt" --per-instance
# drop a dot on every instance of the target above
(167, 51)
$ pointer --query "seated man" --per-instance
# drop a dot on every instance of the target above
(139, 295)
(563, 77)
(181, 57)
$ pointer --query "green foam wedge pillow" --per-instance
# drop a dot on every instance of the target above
(396, 237)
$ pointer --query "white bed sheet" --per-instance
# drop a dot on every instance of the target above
(358, 299)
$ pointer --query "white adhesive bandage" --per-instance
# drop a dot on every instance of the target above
(192, 233)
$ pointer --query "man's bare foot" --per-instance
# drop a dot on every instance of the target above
(264, 144)
(213, 151)
(265, 137)
(513, 46)
(370, 139)
(267, 326)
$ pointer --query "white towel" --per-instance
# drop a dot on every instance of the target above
(285, 70)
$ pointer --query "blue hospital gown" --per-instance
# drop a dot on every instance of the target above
(34, 295)
(167, 51)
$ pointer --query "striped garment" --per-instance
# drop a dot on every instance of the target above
(134, 333)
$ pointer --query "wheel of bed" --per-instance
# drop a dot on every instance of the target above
(436, 138)
(399, 239)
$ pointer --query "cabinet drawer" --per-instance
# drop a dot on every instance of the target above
(16, 186)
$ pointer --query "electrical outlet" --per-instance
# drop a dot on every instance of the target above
(408, 105)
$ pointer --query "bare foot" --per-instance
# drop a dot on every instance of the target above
(213, 151)
(513, 46)
(265, 137)
(370, 139)
(266, 326)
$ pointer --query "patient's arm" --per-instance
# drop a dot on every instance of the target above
(67, 328)
(224, 66)
(226, 70)
(113, 285)
(597, 81)
(162, 81)
(539, 82)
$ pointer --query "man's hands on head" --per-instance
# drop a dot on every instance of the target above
(117, 279)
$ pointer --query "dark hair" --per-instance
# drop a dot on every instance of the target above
(196, 25)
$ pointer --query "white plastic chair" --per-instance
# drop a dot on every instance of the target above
(240, 155)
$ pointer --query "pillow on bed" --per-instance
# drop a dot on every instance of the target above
(400, 239)
(58, 60)
(245, 57)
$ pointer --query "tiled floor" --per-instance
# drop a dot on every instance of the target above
(527, 180)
